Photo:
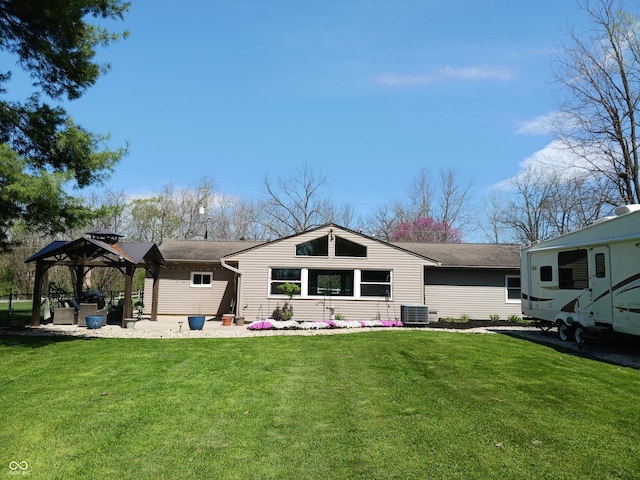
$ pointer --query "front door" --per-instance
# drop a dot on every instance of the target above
(600, 285)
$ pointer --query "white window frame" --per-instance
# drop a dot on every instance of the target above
(295, 282)
(506, 289)
(357, 281)
(389, 283)
(201, 285)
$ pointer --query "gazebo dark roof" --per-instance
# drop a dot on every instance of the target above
(92, 250)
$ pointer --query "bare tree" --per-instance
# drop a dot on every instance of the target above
(547, 203)
(600, 75)
(421, 193)
(493, 225)
(442, 199)
(295, 204)
(111, 211)
(387, 218)
(452, 208)
(232, 218)
(525, 215)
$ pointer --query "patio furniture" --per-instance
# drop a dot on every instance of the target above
(115, 313)
(64, 316)
(88, 309)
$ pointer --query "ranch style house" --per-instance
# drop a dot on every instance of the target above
(338, 271)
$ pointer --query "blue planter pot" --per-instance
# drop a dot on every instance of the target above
(94, 321)
(196, 322)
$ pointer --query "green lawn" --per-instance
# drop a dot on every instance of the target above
(424, 405)
(20, 314)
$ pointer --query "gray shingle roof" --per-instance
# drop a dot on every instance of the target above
(447, 254)
(468, 254)
(201, 250)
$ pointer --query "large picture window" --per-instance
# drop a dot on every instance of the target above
(356, 284)
(280, 276)
(337, 283)
(573, 269)
(201, 279)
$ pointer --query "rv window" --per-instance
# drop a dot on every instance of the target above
(546, 273)
(601, 270)
(573, 270)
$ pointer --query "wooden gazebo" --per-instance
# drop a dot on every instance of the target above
(99, 249)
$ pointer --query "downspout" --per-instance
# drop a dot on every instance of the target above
(224, 263)
(238, 278)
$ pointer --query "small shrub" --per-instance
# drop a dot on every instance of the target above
(287, 312)
(338, 316)
(289, 289)
(453, 320)
(464, 318)
(494, 317)
(516, 319)
(282, 313)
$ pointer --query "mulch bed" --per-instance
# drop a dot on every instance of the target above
(478, 324)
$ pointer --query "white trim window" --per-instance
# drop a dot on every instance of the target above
(375, 283)
(512, 292)
(280, 276)
(201, 279)
(342, 283)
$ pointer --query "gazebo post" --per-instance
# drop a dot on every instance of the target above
(79, 281)
(37, 294)
(155, 293)
(127, 309)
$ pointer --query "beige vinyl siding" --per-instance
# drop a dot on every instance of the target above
(255, 301)
(177, 297)
(476, 293)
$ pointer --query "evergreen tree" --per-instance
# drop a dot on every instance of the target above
(43, 151)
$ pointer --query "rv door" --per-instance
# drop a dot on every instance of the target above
(601, 309)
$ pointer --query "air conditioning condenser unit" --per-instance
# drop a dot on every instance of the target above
(414, 314)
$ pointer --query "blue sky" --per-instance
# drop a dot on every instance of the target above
(367, 91)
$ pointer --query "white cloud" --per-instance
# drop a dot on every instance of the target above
(404, 80)
(547, 124)
(477, 73)
(448, 73)
(556, 159)
(542, 125)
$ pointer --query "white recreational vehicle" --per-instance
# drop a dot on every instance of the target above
(587, 280)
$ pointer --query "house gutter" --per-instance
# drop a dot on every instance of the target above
(224, 263)
(237, 281)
